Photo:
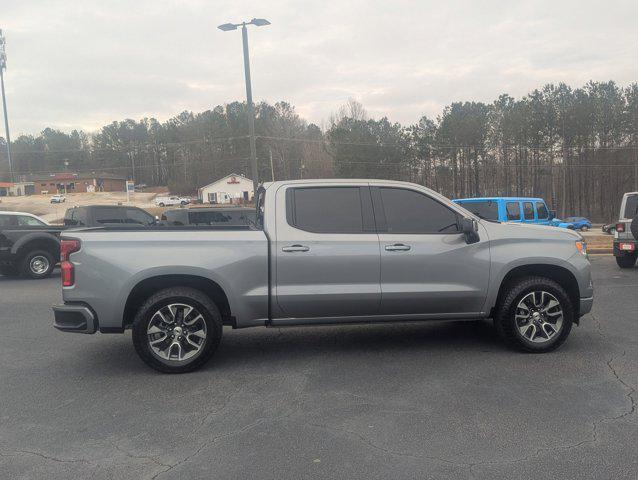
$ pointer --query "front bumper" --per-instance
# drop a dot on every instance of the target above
(75, 318)
(586, 305)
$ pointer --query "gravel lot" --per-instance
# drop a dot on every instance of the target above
(358, 402)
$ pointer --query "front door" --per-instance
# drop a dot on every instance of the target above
(327, 252)
(427, 268)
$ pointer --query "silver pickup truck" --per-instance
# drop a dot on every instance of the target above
(323, 252)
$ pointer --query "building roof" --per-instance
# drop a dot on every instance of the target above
(224, 178)
(70, 176)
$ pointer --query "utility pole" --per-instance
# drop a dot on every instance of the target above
(259, 22)
(3, 66)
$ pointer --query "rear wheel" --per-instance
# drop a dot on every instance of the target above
(37, 264)
(177, 330)
(534, 315)
(626, 261)
(161, 204)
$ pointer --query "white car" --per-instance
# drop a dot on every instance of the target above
(58, 198)
(21, 219)
(171, 201)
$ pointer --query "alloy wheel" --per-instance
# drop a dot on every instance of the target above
(539, 316)
(176, 332)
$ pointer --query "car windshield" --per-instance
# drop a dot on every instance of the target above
(487, 210)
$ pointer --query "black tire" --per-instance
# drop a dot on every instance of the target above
(161, 204)
(37, 264)
(9, 271)
(626, 261)
(163, 298)
(505, 321)
(184, 203)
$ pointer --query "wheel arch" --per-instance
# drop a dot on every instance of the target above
(560, 275)
(145, 288)
(30, 242)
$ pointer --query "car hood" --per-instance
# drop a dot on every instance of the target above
(532, 232)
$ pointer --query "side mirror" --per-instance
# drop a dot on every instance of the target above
(552, 214)
(469, 227)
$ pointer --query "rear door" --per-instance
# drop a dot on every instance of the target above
(513, 211)
(427, 268)
(542, 213)
(528, 212)
(327, 251)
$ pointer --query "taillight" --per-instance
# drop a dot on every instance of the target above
(620, 227)
(67, 270)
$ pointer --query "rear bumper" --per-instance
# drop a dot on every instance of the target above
(620, 247)
(75, 318)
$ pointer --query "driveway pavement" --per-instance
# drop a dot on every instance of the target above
(438, 400)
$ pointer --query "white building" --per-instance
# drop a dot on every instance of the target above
(230, 189)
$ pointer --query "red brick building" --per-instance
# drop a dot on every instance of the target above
(78, 183)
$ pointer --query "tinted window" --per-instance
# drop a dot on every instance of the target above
(631, 207)
(7, 220)
(513, 210)
(139, 217)
(108, 215)
(326, 209)
(407, 211)
(541, 211)
(487, 209)
(528, 211)
(25, 221)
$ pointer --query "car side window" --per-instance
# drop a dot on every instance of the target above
(7, 221)
(408, 211)
(24, 221)
(513, 210)
(541, 211)
(528, 211)
(327, 209)
(108, 215)
(134, 216)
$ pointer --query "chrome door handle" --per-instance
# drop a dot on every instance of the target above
(295, 248)
(398, 247)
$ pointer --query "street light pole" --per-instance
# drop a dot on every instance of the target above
(3, 66)
(250, 110)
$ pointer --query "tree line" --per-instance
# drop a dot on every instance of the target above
(577, 148)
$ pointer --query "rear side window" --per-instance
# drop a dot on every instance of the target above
(631, 206)
(541, 211)
(24, 221)
(528, 211)
(513, 210)
(327, 209)
(407, 211)
(7, 221)
(487, 209)
(108, 215)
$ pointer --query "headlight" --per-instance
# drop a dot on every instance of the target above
(581, 246)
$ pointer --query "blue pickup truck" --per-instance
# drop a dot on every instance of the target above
(513, 209)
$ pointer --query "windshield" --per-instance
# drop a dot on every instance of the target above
(487, 210)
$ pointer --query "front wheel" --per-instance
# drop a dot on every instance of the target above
(37, 264)
(161, 204)
(584, 229)
(626, 261)
(535, 314)
(177, 330)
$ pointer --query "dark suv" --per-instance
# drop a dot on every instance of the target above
(232, 216)
(98, 215)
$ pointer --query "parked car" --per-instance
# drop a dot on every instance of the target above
(609, 228)
(171, 201)
(579, 223)
(626, 231)
(323, 252)
(29, 246)
(513, 209)
(98, 215)
(209, 216)
(58, 199)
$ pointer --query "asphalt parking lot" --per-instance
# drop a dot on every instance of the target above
(438, 400)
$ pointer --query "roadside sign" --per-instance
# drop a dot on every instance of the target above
(130, 188)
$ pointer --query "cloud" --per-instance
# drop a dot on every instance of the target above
(84, 64)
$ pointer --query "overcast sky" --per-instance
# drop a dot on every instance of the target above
(85, 63)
